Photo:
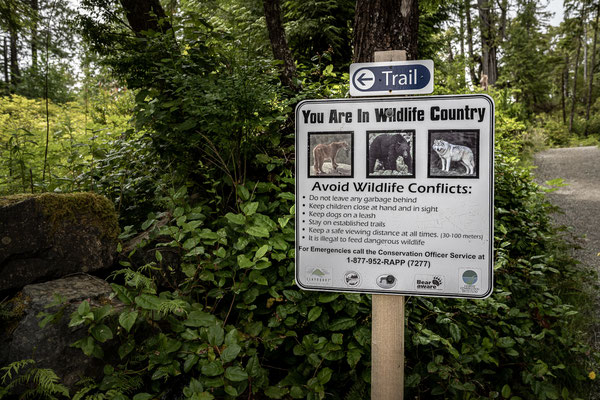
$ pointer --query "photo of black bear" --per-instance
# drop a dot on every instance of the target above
(385, 150)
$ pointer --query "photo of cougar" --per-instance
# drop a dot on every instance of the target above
(328, 151)
(330, 154)
(454, 153)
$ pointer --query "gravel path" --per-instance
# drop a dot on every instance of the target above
(580, 199)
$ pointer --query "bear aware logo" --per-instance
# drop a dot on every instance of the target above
(429, 282)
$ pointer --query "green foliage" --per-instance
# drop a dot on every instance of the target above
(320, 26)
(75, 144)
(31, 382)
(214, 313)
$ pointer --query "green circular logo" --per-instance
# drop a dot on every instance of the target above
(469, 277)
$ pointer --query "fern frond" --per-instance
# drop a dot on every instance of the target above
(176, 305)
(47, 382)
(14, 368)
(135, 279)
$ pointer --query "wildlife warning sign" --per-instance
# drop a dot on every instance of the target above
(395, 195)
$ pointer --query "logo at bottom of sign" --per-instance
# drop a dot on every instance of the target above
(469, 280)
(352, 278)
(429, 282)
(318, 276)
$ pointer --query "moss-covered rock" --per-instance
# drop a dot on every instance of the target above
(48, 236)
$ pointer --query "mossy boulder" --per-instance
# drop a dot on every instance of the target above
(49, 236)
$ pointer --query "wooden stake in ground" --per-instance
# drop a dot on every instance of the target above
(387, 336)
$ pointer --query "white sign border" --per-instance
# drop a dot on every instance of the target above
(392, 292)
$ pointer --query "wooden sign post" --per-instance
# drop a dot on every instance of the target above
(387, 335)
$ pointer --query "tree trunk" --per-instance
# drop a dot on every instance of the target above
(585, 52)
(503, 13)
(463, 78)
(489, 63)
(385, 25)
(145, 15)
(591, 82)
(5, 66)
(279, 44)
(15, 73)
(574, 94)
(34, 25)
(472, 58)
(564, 80)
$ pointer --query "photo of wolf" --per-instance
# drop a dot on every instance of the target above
(453, 154)
(449, 152)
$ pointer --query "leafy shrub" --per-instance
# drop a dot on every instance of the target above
(215, 313)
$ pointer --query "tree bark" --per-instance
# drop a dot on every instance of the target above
(461, 32)
(591, 82)
(503, 13)
(472, 58)
(385, 25)
(489, 63)
(564, 81)
(279, 44)
(574, 94)
(15, 73)
(145, 15)
(34, 41)
(5, 66)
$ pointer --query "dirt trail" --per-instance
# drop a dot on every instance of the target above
(580, 199)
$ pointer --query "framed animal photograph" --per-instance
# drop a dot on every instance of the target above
(453, 154)
(390, 154)
(331, 155)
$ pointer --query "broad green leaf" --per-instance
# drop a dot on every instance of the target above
(353, 357)
(283, 221)
(256, 277)
(314, 313)
(258, 231)
(324, 375)
(230, 353)
(84, 308)
(216, 335)
(191, 243)
(127, 319)
(238, 219)
(276, 392)
(244, 261)
(200, 318)
(261, 251)
(148, 302)
(236, 374)
(342, 324)
(100, 313)
(101, 333)
(250, 208)
(213, 368)
(506, 391)
(123, 294)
